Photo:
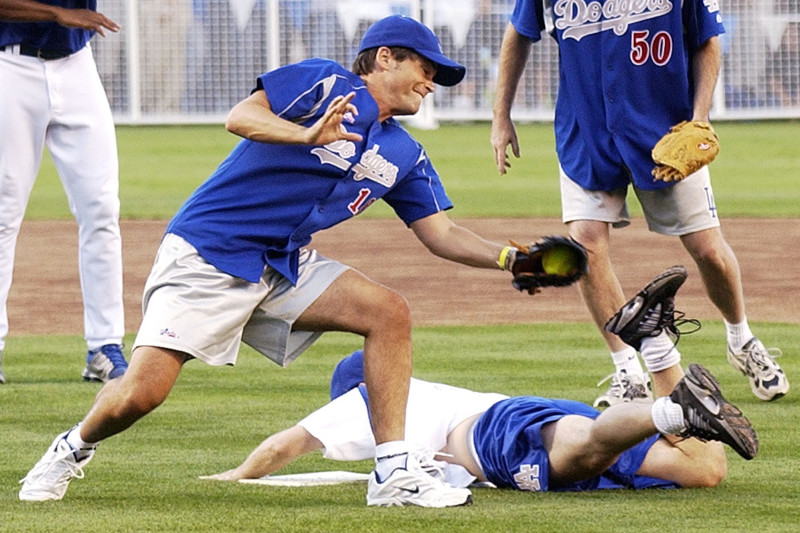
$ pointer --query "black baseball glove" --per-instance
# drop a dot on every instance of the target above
(554, 261)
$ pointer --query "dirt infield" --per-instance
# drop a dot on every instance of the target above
(45, 296)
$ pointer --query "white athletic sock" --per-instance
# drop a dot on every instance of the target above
(667, 416)
(738, 334)
(628, 361)
(390, 456)
(74, 439)
(659, 353)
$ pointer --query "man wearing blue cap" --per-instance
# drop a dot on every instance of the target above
(319, 146)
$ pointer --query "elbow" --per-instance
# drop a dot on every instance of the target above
(232, 124)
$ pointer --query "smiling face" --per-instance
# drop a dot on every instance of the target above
(399, 85)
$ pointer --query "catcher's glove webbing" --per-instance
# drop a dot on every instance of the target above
(554, 261)
(685, 149)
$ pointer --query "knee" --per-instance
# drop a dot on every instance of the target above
(129, 399)
(710, 256)
(593, 236)
(710, 467)
(709, 249)
(715, 468)
(393, 311)
(712, 475)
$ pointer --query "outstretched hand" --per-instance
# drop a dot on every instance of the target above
(86, 19)
(329, 128)
(504, 134)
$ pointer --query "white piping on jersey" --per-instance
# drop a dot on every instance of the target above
(327, 88)
(422, 157)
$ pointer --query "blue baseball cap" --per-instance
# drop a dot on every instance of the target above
(398, 30)
(348, 374)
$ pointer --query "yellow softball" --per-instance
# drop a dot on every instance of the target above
(559, 261)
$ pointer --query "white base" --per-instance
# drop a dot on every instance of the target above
(309, 479)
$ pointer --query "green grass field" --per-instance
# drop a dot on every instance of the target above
(146, 479)
(754, 175)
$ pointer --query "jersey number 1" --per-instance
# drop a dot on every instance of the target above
(659, 48)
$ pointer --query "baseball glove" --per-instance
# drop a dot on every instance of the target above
(554, 261)
(685, 149)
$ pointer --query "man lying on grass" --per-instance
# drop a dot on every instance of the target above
(540, 444)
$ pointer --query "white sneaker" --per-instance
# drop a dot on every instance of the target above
(623, 388)
(767, 380)
(414, 486)
(49, 478)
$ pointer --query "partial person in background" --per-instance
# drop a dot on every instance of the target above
(783, 69)
(51, 95)
(163, 30)
(623, 84)
(745, 53)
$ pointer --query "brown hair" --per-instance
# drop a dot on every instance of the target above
(365, 61)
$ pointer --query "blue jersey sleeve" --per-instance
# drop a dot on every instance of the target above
(527, 18)
(701, 22)
(420, 193)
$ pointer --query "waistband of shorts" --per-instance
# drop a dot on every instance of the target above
(471, 446)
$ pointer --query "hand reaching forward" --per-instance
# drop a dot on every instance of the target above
(329, 128)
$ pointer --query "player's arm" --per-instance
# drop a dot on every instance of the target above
(705, 65)
(446, 239)
(513, 56)
(31, 11)
(272, 454)
(253, 119)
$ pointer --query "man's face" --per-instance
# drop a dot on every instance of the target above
(407, 83)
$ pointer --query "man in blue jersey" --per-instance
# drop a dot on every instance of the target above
(628, 72)
(320, 145)
(539, 444)
(51, 95)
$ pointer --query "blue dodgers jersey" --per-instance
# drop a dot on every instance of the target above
(264, 201)
(508, 442)
(625, 79)
(49, 35)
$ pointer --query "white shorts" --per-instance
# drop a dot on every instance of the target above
(432, 412)
(192, 307)
(686, 207)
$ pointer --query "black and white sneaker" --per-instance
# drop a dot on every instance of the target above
(651, 311)
(767, 380)
(624, 388)
(709, 416)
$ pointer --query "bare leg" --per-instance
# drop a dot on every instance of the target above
(580, 448)
(600, 288)
(143, 387)
(719, 270)
(357, 304)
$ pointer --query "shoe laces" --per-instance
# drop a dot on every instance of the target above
(114, 354)
(60, 458)
(664, 317)
(763, 357)
(426, 459)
